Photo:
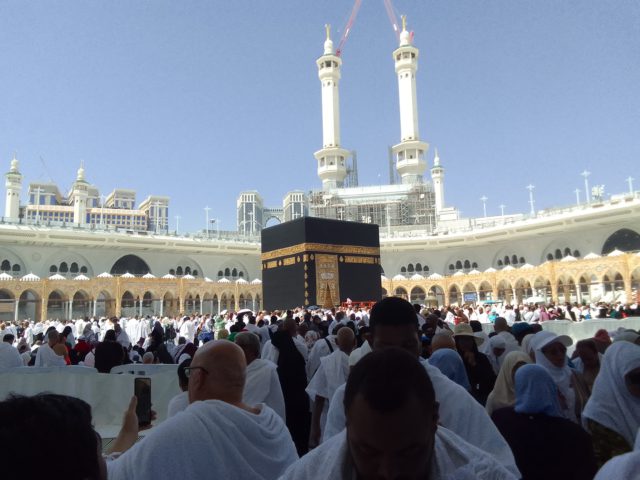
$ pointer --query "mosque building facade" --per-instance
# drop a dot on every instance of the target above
(86, 254)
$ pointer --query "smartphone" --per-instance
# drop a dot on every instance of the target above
(142, 390)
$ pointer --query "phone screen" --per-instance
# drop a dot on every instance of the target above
(142, 390)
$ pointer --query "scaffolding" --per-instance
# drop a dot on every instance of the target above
(413, 207)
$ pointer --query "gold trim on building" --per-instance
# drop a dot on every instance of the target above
(320, 248)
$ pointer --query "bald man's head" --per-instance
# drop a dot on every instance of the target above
(217, 372)
(442, 340)
(345, 340)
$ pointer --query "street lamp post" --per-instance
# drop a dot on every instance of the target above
(37, 191)
(177, 223)
(206, 211)
(531, 202)
(217, 222)
(587, 197)
(102, 200)
(577, 192)
(156, 216)
(502, 207)
(251, 216)
(630, 182)
(484, 199)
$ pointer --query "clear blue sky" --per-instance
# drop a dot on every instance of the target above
(199, 100)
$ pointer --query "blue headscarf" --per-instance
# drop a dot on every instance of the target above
(536, 392)
(451, 365)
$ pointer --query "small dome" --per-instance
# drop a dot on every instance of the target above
(80, 176)
(405, 38)
(328, 47)
(14, 165)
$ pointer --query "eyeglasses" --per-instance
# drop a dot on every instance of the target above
(187, 370)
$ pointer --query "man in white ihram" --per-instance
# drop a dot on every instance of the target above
(262, 384)
(392, 431)
(46, 357)
(332, 373)
(218, 435)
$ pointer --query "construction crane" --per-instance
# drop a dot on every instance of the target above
(388, 6)
(391, 13)
(347, 28)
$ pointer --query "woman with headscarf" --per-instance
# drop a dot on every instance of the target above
(451, 366)
(525, 345)
(477, 365)
(293, 380)
(612, 414)
(496, 352)
(544, 444)
(602, 339)
(551, 354)
(503, 393)
(587, 362)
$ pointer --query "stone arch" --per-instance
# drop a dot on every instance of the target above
(435, 295)
(29, 305)
(7, 305)
(130, 263)
(69, 263)
(635, 285)
(271, 220)
(455, 295)
(128, 304)
(542, 288)
(523, 289)
(384, 293)
(505, 291)
(418, 295)
(81, 304)
(57, 303)
(236, 265)
(8, 259)
(624, 239)
(104, 304)
(170, 304)
(208, 303)
(486, 291)
(401, 292)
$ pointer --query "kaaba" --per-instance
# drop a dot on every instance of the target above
(315, 261)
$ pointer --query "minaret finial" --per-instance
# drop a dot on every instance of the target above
(328, 29)
(404, 23)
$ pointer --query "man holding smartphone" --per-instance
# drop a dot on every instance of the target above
(217, 436)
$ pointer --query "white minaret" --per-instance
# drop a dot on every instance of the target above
(437, 175)
(409, 153)
(80, 194)
(332, 159)
(13, 184)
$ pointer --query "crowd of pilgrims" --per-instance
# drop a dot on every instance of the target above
(423, 393)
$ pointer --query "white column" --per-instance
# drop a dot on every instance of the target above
(140, 307)
(70, 316)
(17, 304)
(162, 307)
(95, 307)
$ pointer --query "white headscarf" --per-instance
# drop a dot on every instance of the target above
(497, 341)
(503, 393)
(611, 404)
(526, 343)
(561, 375)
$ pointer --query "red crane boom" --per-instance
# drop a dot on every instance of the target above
(347, 27)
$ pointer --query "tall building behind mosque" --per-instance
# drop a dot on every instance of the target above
(409, 201)
(83, 206)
